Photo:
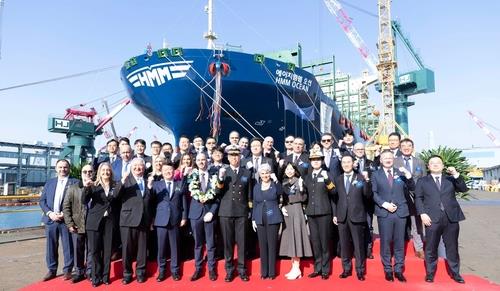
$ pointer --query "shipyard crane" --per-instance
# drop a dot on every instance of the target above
(81, 131)
(395, 88)
(483, 127)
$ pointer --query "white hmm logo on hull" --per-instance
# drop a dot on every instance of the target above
(157, 75)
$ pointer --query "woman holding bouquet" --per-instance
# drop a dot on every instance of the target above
(202, 210)
(266, 220)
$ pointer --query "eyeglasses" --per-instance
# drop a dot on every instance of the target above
(288, 141)
(87, 172)
(326, 140)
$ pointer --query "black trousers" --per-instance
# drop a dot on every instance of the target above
(268, 245)
(449, 231)
(352, 240)
(234, 229)
(100, 245)
(204, 233)
(79, 243)
(392, 230)
(134, 245)
(320, 227)
(171, 234)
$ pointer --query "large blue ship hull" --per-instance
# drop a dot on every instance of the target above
(176, 93)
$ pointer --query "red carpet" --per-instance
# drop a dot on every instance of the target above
(414, 273)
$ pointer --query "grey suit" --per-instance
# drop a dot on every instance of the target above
(417, 169)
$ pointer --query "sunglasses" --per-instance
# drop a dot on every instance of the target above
(88, 172)
(326, 140)
(288, 141)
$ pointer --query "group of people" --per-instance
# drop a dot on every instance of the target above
(299, 204)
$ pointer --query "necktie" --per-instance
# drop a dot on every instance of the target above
(390, 178)
(295, 158)
(256, 165)
(169, 190)
(112, 159)
(202, 182)
(361, 165)
(438, 183)
(347, 183)
(140, 182)
(314, 176)
(407, 164)
(328, 156)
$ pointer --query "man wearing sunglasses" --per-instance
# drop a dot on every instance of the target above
(331, 156)
(75, 213)
(288, 147)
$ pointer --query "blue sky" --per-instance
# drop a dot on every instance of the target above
(46, 39)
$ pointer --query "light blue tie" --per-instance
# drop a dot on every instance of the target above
(141, 186)
(347, 183)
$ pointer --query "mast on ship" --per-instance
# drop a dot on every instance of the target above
(210, 34)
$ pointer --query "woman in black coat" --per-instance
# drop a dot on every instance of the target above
(99, 225)
(266, 220)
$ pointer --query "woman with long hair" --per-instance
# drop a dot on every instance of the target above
(157, 164)
(185, 167)
(294, 238)
(102, 196)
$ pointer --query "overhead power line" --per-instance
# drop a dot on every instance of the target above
(60, 78)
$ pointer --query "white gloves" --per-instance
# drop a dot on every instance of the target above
(324, 174)
(222, 173)
(249, 165)
(208, 217)
(273, 177)
(254, 226)
(301, 184)
(283, 210)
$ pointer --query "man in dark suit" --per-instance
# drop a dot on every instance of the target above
(440, 212)
(234, 191)
(135, 220)
(288, 147)
(389, 186)
(364, 166)
(256, 159)
(349, 213)
(170, 202)
(417, 168)
(121, 166)
(318, 188)
(299, 157)
(75, 212)
(51, 202)
(346, 144)
(332, 156)
(202, 218)
(394, 140)
(112, 154)
(183, 148)
(140, 152)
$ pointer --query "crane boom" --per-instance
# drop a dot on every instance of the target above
(386, 65)
(483, 127)
(346, 23)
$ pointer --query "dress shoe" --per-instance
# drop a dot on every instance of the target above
(161, 277)
(345, 275)
(196, 275)
(228, 278)
(369, 254)
(400, 276)
(457, 278)
(106, 281)
(49, 276)
(314, 274)
(420, 254)
(126, 280)
(263, 277)
(116, 256)
(244, 277)
(77, 278)
(96, 283)
(361, 277)
(389, 276)
(141, 279)
(272, 277)
(176, 276)
(67, 276)
(325, 276)
(429, 278)
(212, 275)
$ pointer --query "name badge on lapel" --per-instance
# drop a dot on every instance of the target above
(244, 179)
(321, 179)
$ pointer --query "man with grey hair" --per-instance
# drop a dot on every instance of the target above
(135, 220)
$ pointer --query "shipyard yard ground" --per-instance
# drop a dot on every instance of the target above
(23, 253)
